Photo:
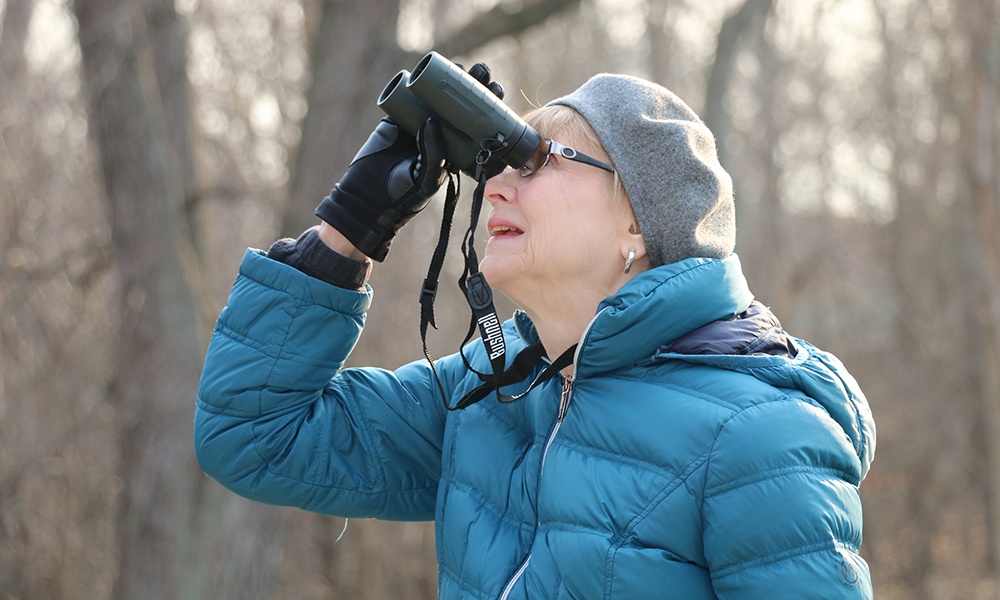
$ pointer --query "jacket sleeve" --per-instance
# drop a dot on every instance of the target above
(782, 512)
(279, 421)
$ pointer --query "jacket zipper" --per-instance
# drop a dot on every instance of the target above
(564, 398)
(567, 390)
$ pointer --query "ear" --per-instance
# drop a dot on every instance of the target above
(634, 241)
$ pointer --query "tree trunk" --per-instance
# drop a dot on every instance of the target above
(745, 22)
(157, 367)
(982, 165)
(169, 513)
(15, 191)
(168, 42)
(353, 56)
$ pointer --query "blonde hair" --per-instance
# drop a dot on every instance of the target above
(550, 120)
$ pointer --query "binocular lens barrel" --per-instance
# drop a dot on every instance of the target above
(472, 117)
(411, 113)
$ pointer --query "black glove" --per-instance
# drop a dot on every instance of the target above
(481, 73)
(392, 178)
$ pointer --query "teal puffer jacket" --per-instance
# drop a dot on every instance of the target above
(654, 473)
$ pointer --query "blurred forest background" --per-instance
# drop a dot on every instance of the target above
(145, 143)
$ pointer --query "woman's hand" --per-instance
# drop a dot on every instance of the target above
(391, 179)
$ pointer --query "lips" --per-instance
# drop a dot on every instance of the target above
(499, 228)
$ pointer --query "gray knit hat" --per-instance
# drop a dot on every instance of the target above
(667, 161)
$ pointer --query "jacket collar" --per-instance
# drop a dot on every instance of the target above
(655, 308)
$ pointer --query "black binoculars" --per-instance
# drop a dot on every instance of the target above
(478, 127)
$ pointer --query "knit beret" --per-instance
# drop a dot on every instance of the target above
(668, 164)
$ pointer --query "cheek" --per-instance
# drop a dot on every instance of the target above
(551, 231)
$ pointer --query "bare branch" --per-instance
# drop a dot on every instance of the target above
(498, 22)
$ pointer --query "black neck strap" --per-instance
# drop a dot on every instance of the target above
(484, 315)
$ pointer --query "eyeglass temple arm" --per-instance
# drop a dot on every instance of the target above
(572, 154)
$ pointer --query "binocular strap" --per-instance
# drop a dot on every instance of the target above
(484, 315)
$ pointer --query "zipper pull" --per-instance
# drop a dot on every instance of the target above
(564, 399)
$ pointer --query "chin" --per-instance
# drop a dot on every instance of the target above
(497, 271)
(493, 276)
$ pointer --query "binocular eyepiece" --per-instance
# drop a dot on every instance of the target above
(478, 127)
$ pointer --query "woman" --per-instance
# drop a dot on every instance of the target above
(691, 448)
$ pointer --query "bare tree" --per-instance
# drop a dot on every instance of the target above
(353, 54)
(981, 161)
(746, 23)
(158, 344)
(167, 518)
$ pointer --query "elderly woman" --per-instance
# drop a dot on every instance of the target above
(689, 449)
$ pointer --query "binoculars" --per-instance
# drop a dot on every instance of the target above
(478, 127)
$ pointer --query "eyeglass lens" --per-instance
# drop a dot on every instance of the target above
(539, 159)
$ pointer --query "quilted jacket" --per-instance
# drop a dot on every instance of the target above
(699, 452)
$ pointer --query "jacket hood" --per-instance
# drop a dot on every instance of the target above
(757, 346)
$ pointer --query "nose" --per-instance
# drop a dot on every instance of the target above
(502, 187)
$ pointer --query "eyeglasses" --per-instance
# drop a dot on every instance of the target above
(549, 147)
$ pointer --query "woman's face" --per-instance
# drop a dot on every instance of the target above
(557, 227)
